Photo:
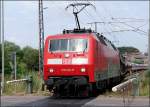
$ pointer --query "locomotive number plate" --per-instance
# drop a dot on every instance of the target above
(71, 69)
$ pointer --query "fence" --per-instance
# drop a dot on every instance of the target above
(128, 88)
(28, 80)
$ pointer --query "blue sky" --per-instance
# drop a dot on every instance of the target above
(21, 21)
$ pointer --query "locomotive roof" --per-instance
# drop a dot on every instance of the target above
(99, 36)
(77, 31)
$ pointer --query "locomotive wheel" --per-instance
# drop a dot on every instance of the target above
(83, 91)
(93, 91)
(56, 94)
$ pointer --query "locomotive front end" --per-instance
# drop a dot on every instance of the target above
(67, 62)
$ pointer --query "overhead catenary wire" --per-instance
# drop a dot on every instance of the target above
(127, 30)
(108, 27)
(135, 29)
(132, 19)
(110, 15)
(131, 26)
(142, 25)
(88, 14)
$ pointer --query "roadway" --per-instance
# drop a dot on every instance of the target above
(46, 101)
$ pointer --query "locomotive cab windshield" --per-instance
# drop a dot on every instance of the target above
(68, 45)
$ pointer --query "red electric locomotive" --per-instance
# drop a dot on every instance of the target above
(80, 61)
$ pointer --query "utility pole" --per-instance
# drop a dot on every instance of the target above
(95, 24)
(149, 47)
(15, 76)
(15, 66)
(2, 34)
(41, 38)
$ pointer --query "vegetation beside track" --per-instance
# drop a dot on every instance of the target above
(20, 88)
(144, 85)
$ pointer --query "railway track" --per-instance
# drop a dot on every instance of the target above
(45, 101)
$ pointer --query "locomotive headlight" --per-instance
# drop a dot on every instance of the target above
(51, 70)
(83, 70)
(66, 55)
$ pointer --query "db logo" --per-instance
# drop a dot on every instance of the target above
(66, 61)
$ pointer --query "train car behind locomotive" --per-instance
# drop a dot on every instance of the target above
(79, 61)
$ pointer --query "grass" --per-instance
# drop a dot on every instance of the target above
(12, 88)
(144, 85)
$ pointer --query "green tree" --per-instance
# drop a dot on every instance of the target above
(9, 48)
(30, 58)
(27, 58)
